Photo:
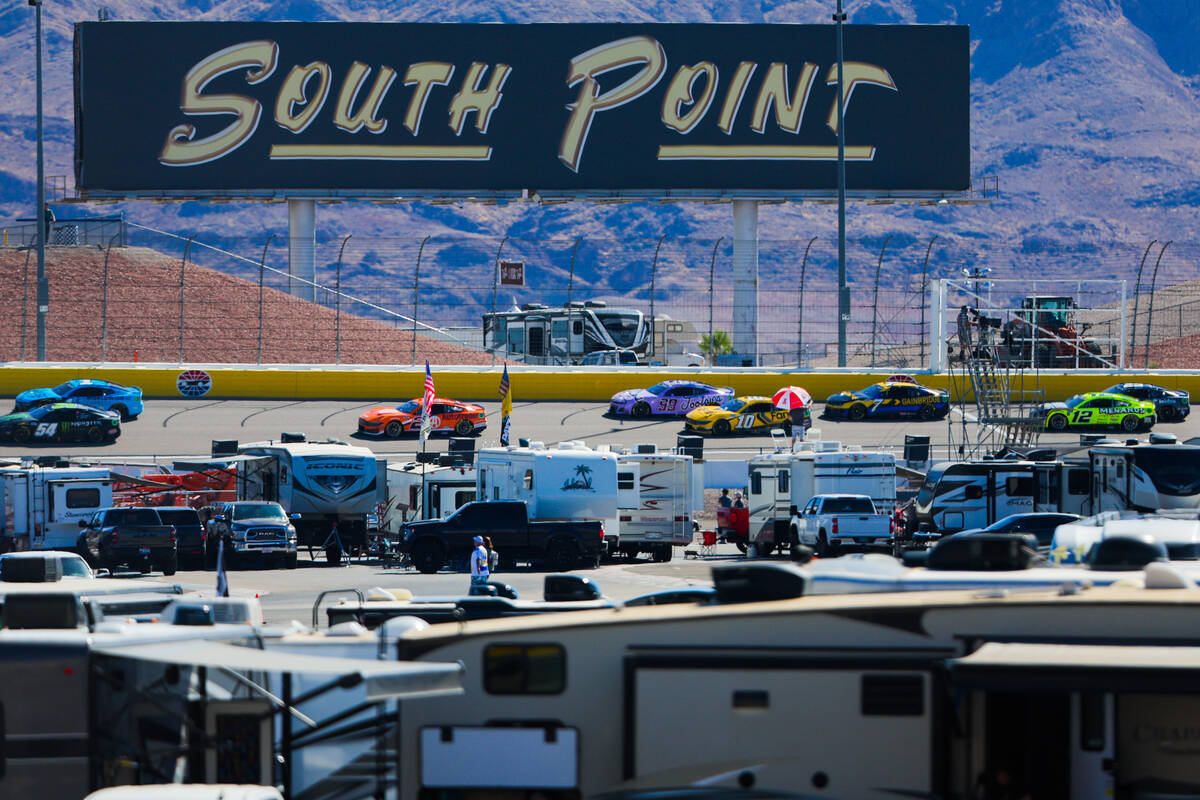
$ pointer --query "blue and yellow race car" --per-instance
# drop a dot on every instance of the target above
(891, 400)
(105, 395)
(741, 415)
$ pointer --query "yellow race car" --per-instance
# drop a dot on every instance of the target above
(741, 414)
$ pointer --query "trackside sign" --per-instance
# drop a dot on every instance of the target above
(244, 107)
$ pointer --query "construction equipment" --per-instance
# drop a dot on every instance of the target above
(1045, 333)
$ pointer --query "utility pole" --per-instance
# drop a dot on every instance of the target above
(843, 290)
(43, 290)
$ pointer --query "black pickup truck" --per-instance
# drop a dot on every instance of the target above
(561, 545)
(134, 537)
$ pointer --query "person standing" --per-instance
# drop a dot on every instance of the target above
(737, 500)
(479, 564)
(48, 220)
(493, 556)
(724, 501)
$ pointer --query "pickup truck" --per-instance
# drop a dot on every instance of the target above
(831, 521)
(134, 537)
(252, 529)
(562, 545)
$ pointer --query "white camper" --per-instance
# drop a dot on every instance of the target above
(424, 491)
(781, 483)
(327, 483)
(1145, 476)
(42, 506)
(656, 501)
(570, 481)
(1178, 532)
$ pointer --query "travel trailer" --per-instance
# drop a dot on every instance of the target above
(1078, 693)
(1145, 476)
(41, 507)
(570, 481)
(333, 486)
(419, 491)
(657, 498)
(783, 482)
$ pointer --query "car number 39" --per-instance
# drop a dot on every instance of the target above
(46, 429)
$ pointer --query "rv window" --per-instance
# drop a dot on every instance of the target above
(755, 482)
(893, 695)
(83, 498)
(1019, 486)
(528, 480)
(1077, 481)
(412, 497)
(516, 340)
(973, 492)
(624, 481)
(524, 669)
(783, 481)
(577, 327)
(483, 482)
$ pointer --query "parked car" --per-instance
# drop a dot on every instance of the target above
(251, 529)
(189, 534)
(667, 399)
(1171, 405)
(1097, 410)
(135, 537)
(1039, 524)
(36, 566)
(750, 414)
(447, 416)
(832, 521)
(889, 400)
(60, 422)
(105, 395)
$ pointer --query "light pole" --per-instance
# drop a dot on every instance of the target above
(43, 291)
(843, 290)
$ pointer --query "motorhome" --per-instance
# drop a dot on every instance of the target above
(1144, 476)
(1075, 694)
(41, 506)
(1177, 531)
(658, 495)
(958, 495)
(419, 491)
(570, 481)
(783, 482)
(331, 485)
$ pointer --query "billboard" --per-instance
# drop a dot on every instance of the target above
(296, 108)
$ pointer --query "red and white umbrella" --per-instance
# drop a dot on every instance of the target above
(790, 397)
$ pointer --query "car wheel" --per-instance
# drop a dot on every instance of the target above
(393, 430)
(721, 427)
(464, 427)
(1130, 423)
(170, 565)
(927, 412)
(641, 409)
(857, 412)
(123, 411)
(427, 557)
(1058, 422)
(22, 434)
(289, 561)
(1166, 413)
(765, 548)
(560, 556)
(95, 435)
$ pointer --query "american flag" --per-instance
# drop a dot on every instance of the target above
(427, 405)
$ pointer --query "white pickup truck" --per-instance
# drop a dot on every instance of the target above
(831, 521)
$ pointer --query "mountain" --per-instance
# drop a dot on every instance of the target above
(1086, 112)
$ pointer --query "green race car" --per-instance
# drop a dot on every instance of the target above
(1098, 410)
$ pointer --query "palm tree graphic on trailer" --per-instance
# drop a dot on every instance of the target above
(582, 481)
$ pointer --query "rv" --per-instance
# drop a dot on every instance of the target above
(1145, 476)
(570, 481)
(973, 494)
(657, 498)
(419, 491)
(782, 482)
(331, 485)
(1177, 531)
(43, 506)
(1076, 694)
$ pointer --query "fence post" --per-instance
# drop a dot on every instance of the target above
(800, 324)
(337, 300)
(104, 302)
(925, 293)
(570, 293)
(1137, 290)
(711, 274)
(417, 296)
(262, 265)
(495, 286)
(653, 277)
(875, 303)
(182, 264)
(1150, 314)
(1126, 358)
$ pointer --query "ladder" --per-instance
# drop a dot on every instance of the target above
(1001, 421)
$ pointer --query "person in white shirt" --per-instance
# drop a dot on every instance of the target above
(479, 564)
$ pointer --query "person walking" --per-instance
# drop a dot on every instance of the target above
(479, 564)
(493, 556)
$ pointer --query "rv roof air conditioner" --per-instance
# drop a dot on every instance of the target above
(537, 445)
(291, 437)
(1118, 553)
(595, 304)
(1164, 438)
(758, 582)
(644, 449)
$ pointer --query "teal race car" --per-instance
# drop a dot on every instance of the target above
(1098, 410)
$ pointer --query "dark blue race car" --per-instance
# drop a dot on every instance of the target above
(1171, 405)
(889, 401)
(105, 395)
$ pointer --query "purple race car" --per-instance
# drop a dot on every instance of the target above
(669, 399)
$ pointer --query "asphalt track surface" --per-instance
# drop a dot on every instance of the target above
(168, 429)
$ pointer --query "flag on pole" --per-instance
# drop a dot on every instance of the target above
(222, 581)
(505, 406)
(427, 405)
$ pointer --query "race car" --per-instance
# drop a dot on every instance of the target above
(889, 401)
(106, 395)
(741, 414)
(1097, 410)
(446, 416)
(60, 422)
(1171, 405)
(667, 399)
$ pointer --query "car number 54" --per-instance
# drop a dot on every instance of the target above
(45, 429)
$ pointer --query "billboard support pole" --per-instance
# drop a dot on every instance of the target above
(843, 290)
(302, 247)
(745, 279)
(43, 221)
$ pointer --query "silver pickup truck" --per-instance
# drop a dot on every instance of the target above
(833, 521)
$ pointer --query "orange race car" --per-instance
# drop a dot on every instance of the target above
(448, 416)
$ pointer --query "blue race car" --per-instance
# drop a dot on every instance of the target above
(1171, 405)
(105, 395)
(889, 400)
(667, 399)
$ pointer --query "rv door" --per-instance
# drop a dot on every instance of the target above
(628, 481)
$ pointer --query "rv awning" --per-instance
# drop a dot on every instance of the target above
(213, 463)
(1018, 667)
(383, 679)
